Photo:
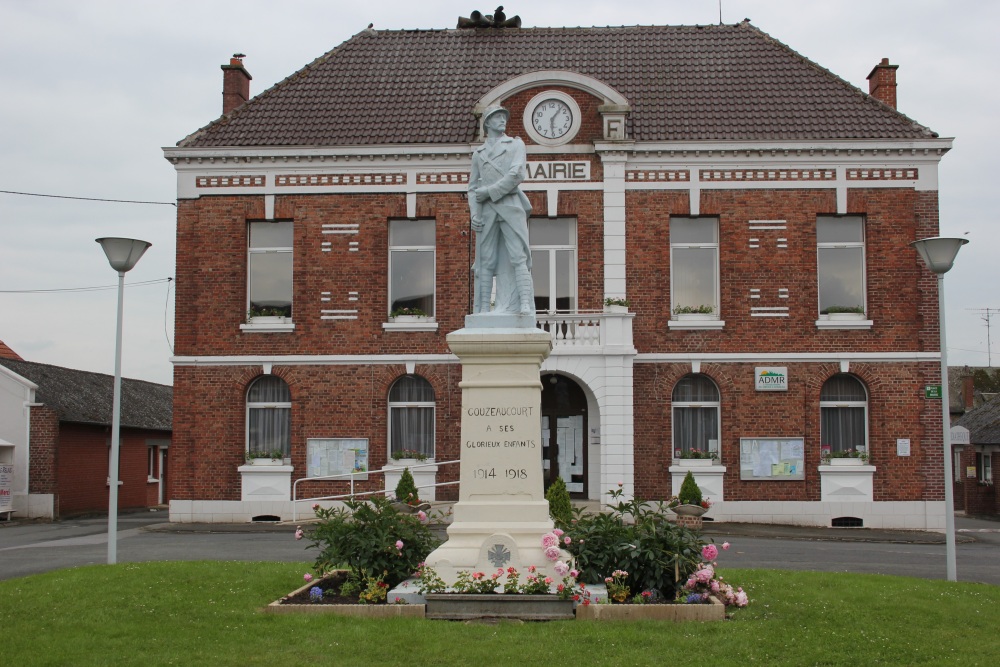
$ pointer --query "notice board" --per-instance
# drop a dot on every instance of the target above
(336, 456)
(772, 459)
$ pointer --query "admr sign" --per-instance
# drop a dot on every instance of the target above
(771, 378)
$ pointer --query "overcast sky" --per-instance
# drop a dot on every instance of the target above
(91, 90)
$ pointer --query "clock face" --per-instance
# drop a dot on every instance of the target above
(552, 118)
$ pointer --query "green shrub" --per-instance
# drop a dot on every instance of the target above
(365, 535)
(640, 539)
(406, 489)
(560, 507)
(690, 492)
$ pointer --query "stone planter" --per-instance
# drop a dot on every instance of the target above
(271, 481)
(850, 481)
(688, 510)
(695, 463)
(466, 606)
(266, 462)
(615, 309)
(715, 611)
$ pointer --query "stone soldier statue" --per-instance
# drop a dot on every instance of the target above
(500, 219)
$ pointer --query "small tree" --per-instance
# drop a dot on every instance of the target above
(406, 489)
(560, 508)
(690, 493)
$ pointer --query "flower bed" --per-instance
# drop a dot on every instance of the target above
(329, 601)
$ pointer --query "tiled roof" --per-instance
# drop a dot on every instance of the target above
(85, 397)
(983, 423)
(684, 83)
(7, 353)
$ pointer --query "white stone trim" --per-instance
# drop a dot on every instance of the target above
(268, 327)
(845, 324)
(805, 357)
(550, 78)
(902, 515)
(315, 360)
(693, 325)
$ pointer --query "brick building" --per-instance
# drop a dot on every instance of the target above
(751, 207)
(55, 434)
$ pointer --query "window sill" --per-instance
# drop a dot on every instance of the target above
(152, 480)
(689, 323)
(845, 323)
(407, 324)
(267, 327)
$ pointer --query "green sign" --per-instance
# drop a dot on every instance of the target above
(932, 391)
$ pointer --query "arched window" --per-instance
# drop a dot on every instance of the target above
(843, 407)
(695, 415)
(269, 411)
(411, 416)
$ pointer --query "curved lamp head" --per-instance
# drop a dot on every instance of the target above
(123, 254)
(938, 253)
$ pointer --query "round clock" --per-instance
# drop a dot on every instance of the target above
(552, 118)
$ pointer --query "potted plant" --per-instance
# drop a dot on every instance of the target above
(702, 312)
(689, 501)
(408, 315)
(696, 458)
(845, 457)
(408, 454)
(843, 312)
(615, 305)
(274, 457)
(268, 314)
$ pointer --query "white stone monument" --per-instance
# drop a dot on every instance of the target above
(502, 513)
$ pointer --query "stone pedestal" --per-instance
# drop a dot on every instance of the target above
(501, 513)
(266, 482)
(851, 481)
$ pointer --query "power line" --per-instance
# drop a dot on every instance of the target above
(84, 289)
(114, 201)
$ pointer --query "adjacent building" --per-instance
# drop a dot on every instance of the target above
(719, 251)
(55, 440)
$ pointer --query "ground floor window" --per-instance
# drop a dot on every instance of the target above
(411, 416)
(695, 415)
(269, 410)
(843, 405)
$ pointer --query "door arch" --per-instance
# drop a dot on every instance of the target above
(564, 433)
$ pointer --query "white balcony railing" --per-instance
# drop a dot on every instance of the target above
(596, 331)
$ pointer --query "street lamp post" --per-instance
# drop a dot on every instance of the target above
(123, 254)
(939, 255)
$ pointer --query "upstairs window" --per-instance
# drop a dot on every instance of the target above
(411, 416)
(269, 266)
(553, 263)
(695, 415)
(840, 265)
(843, 405)
(694, 266)
(269, 412)
(412, 268)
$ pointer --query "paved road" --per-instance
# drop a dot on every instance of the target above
(32, 548)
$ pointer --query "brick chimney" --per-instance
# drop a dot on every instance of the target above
(882, 82)
(235, 84)
(968, 393)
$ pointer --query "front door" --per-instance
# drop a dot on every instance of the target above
(564, 433)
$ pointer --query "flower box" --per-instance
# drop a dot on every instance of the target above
(695, 316)
(361, 610)
(467, 606)
(714, 611)
(266, 462)
(847, 462)
(615, 309)
(696, 463)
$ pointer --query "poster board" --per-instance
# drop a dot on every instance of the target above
(336, 456)
(772, 459)
(6, 486)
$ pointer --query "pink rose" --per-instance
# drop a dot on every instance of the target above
(307, 577)
(299, 533)
(399, 544)
(557, 532)
(574, 573)
(725, 546)
(422, 515)
(561, 568)
(567, 540)
(709, 552)
(315, 506)
(549, 540)
(552, 553)
(548, 580)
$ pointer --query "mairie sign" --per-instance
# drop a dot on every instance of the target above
(771, 378)
(558, 171)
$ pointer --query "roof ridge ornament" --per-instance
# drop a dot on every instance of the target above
(495, 20)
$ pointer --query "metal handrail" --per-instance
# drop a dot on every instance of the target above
(352, 494)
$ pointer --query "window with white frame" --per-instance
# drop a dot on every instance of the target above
(412, 269)
(840, 265)
(269, 412)
(695, 415)
(984, 467)
(151, 456)
(269, 270)
(411, 416)
(956, 466)
(694, 266)
(843, 407)
(553, 263)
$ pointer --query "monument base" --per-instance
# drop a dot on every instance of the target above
(501, 514)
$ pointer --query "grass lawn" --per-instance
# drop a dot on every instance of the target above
(208, 613)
